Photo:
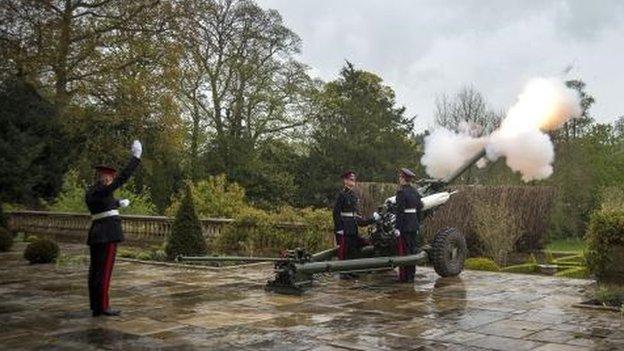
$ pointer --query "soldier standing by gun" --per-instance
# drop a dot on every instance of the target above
(408, 205)
(105, 231)
(346, 221)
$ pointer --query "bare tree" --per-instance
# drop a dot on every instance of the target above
(466, 111)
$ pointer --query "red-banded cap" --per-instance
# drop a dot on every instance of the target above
(105, 169)
(349, 175)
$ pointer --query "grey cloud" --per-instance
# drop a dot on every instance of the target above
(423, 48)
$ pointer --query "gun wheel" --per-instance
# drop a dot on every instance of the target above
(448, 252)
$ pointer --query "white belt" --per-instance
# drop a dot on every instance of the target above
(409, 210)
(101, 215)
(348, 214)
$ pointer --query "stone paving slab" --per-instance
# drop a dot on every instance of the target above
(45, 307)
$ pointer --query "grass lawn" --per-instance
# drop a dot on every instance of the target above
(572, 245)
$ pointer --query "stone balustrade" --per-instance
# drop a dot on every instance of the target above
(137, 229)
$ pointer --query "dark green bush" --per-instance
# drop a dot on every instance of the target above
(42, 251)
(4, 223)
(186, 236)
(605, 233)
(6, 239)
(481, 264)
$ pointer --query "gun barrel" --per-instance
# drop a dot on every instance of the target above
(469, 162)
(360, 264)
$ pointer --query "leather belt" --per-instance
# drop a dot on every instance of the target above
(348, 214)
(109, 213)
(410, 210)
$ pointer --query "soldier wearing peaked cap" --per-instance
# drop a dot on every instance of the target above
(407, 226)
(346, 221)
(105, 231)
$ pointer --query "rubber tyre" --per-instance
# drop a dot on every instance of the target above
(442, 247)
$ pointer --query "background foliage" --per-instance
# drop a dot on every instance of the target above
(72, 197)
(217, 93)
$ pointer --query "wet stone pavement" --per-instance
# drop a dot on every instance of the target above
(45, 307)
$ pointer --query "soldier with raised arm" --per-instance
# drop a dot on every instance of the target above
(105, 232)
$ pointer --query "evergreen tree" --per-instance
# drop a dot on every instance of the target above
(186, 234)
(34, 150)
(358, 127)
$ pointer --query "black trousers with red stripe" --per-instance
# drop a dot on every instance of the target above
(350, 246)
(407, 244)
(100, 271)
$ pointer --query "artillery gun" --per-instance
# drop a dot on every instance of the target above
(294, 271)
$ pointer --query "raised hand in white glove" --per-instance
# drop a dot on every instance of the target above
(124, 203)
(397, 233)
(137, 149)
(340, 232)
(376, 216)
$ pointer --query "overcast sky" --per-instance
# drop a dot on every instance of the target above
(424, 48)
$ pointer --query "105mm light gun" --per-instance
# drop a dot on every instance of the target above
(294, 271)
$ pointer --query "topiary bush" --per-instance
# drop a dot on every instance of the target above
(481, 264)
(186, 236)
(42, 251)
(605, 243)
(6, 239)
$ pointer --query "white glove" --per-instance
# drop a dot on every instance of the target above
(137, 149)
(397, 233)
(124, 203)
(340, 232)
(376, 216)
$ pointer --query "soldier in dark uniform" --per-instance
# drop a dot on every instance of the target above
(346, 221)
(408, 205)
(105, 231)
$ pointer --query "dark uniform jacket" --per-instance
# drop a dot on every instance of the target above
(347, 202)
(99, 198)
(407, 198)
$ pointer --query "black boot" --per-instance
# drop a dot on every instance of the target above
(111, 312)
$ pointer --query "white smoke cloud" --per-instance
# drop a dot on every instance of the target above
(446, 150)
(529, 152)
(544, 105)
